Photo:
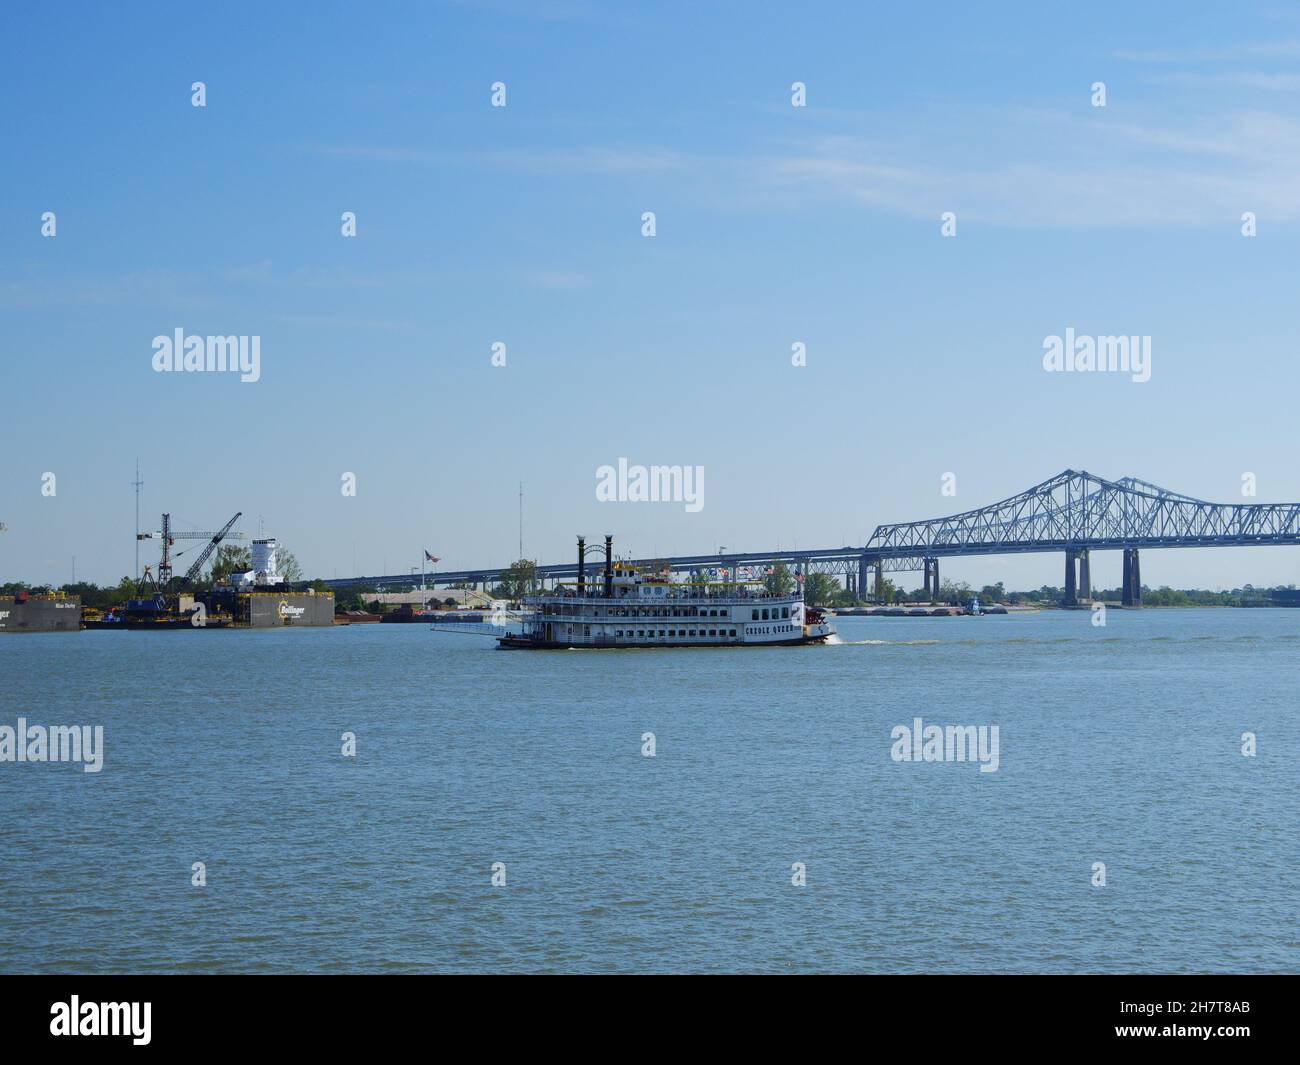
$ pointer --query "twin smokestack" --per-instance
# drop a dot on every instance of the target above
(609, 565)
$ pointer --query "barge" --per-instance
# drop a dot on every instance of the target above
(25, 612)
(252, 599)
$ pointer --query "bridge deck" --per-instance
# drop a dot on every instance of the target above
(1072, 512)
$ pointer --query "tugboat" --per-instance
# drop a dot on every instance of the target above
(629, 609)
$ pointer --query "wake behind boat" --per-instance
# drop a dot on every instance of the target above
(628, 609)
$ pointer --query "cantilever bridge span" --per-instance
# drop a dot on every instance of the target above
(1074, 512)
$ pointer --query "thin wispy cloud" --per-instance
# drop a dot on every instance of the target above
(184, 289)
(128, 289)
(263, 274)
(592, 160)
(1021, 167)
(559, 280)
(1237, 80)
(333, 321)
(1236, 52)
(1078, 174)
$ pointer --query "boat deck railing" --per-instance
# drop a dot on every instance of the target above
(715, 598)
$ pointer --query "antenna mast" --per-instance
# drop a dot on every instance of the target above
(137, 482)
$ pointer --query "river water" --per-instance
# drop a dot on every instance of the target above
(1118, 744)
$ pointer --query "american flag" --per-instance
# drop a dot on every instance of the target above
(431, 558)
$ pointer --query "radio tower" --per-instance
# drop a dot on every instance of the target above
(137, 482)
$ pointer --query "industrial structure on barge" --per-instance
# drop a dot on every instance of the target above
(255, 598)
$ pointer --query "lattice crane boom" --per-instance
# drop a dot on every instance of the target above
(192, 574)
(169, 538)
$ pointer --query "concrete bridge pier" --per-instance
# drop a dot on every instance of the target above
(931, 583)
(880, 579)
(1131, 593)
(862, 578)
(1078, 577)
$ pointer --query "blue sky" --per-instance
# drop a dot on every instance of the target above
(523, 225)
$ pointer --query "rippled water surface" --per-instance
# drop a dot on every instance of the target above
(1119, 745)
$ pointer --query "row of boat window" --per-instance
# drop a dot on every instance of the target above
(644, 634)
(650, 634)
(764, 614)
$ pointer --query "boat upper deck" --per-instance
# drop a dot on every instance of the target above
(677, 594)
(622, 589)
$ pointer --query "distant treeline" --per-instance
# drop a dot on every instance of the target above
(821, 590)
(92, 595)
(103, 596)
(1165, 596)
(962, 593)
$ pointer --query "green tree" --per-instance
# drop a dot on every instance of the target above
(519, 580)
(95, 596)
(348, 599)
(779, 581)
(286, 566)
(954, 592)
(843, 596)
(230, 558)
(818, 588)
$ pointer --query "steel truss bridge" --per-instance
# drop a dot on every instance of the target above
(1074, 512)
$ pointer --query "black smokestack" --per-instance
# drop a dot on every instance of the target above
(582, 557)
(609, 566)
